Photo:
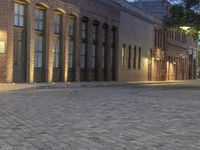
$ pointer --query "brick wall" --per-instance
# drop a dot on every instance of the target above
(6, 36)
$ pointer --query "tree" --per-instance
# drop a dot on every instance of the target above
(185, 13)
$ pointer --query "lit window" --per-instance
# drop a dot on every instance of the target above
(123, 56)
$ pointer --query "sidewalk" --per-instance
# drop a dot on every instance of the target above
(4, 87)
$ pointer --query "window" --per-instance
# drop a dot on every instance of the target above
(39, 38)
(139, 58)
(57, 54)
(103, 58)
(134, 57)
(38, 59)
(83, 53)
(58, 37)
(158, 38)
(104, 46)
(129, 57)
(71, 51)
(58, 22)
(39, 19)
(177, 36)
(19, 14)
(94, 56)
(112, 52)
(123, 56)
(95, 45)
(155, 39)
(183, 38)
(72, 29)
(84, 29)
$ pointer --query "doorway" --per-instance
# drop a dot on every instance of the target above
(19, 57)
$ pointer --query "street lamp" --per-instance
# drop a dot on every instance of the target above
(186, 28)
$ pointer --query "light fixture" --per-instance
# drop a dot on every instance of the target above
(2, 47)
(185, 28)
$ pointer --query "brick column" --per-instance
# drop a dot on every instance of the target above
(78, 43)
(8, 37)
(30, 43)
(65, 46)
(50, 42)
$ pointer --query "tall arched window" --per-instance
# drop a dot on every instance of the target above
(84, 47)
(39, 52)
(104, 50)
(20, 35)
(58, 29)
(72, 49)
(113, 52)
(95, 48)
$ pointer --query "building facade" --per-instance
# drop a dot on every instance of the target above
(58, 40)
(88, 40)
(136, 42)
(178, 51)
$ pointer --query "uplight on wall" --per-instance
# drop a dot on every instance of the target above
(2, 47)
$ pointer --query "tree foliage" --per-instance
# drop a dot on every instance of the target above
(185, 13)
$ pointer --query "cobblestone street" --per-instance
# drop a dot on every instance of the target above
(116, 117)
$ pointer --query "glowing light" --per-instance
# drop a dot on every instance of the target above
(2, 47)
(185, 28)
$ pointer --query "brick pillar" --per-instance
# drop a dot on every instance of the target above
(9, 36)
(78, 42)
(30, 43)
(49, 44)
(65, 46)
(89, 55)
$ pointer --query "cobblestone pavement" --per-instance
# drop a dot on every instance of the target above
(118, 117)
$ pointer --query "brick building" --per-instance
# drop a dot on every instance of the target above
(58, 40)
(179, 50)
(85, 40)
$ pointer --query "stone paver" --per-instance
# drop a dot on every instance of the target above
(117, 117)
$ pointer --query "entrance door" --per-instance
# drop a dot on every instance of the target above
(19, 74)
